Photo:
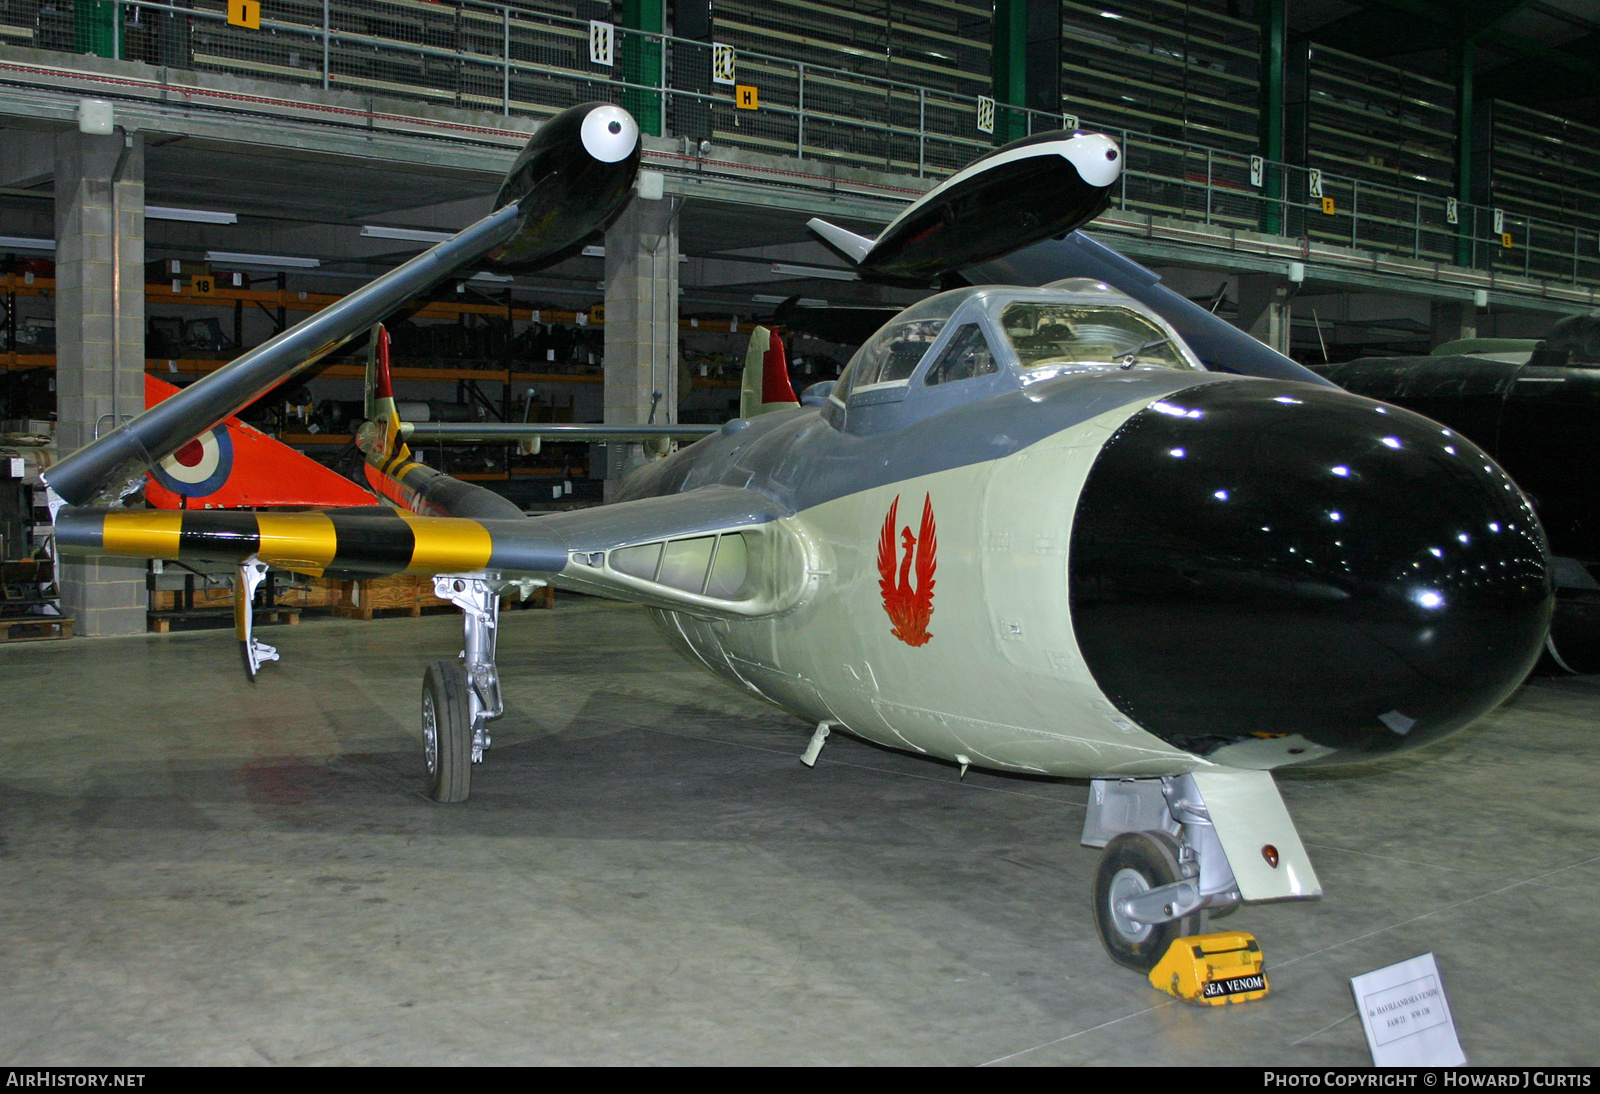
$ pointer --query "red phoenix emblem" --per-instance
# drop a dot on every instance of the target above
(909, 607)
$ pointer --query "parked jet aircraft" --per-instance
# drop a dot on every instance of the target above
(1531, 404)
(1030, 528)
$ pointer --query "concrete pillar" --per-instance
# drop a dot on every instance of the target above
(641, 324)
(1264, 309)
(1452, 320)
(99, 342)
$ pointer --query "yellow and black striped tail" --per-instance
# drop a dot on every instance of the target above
(395, 473)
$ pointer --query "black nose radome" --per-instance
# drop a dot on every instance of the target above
(1270, 572)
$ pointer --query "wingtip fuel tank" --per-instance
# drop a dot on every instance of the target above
(1033, 189)
(572, 179)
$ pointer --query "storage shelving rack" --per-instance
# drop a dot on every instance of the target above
(1367, 122)
(910, 55)
(281, 301)
(1546, 167)
(1170, 69)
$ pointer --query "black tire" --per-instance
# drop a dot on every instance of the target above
(1144, 860)
(447, 731)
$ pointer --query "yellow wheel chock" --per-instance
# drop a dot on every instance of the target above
(1208, 970)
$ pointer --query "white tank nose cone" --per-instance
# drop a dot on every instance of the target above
(609, 134)
(1096, 156)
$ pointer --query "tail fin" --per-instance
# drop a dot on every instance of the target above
(766, 376)
(386, 451)
(234, 466)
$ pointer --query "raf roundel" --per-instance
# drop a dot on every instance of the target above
(199, 468)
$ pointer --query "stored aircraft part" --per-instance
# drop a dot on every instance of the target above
(1249, 558)
(1031, 189)
(447, 731)
(1136, 863)
(252, 571)
(234, 465)
(1212, 969)
(479, 601)
(557, 194)
(814, 747)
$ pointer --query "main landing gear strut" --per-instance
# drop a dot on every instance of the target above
(460, 697)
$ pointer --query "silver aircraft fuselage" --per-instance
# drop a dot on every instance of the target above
(1088, 556)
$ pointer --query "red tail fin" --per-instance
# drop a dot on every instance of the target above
(766, 385)
(233, 465)
(775, 385)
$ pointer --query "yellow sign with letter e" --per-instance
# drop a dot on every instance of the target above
(244, 13)
(746, 98)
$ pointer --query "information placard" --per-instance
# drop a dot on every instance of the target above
(1406, 1018)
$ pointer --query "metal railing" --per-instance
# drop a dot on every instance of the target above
(512, 61)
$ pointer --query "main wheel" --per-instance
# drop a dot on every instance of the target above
(1134, 863)
(447, 731)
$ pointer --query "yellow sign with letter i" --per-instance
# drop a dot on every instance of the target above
(244, 13)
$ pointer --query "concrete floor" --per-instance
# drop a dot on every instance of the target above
(194, 869)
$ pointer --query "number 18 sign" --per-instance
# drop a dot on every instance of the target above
(1406, 1018)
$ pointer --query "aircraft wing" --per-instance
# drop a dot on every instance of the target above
(715, 552)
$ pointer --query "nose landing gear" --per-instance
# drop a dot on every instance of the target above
(1164, 872)
(1140, 869)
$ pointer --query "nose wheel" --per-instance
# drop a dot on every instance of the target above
(1135, 863)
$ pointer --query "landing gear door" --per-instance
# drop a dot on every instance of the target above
(1255, 829)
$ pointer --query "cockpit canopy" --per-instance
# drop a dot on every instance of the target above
(1012, 336)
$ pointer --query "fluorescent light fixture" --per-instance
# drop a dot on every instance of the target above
(831, 273)
(804, 301)
(413, 235)
(21, 243)
(194, 216)
(594, 252)
(234, 257)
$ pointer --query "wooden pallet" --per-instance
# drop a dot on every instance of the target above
(160, 622)
(406, 593)
(410, 594)
(35, 628)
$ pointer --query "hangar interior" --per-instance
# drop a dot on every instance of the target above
(1340, 179)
